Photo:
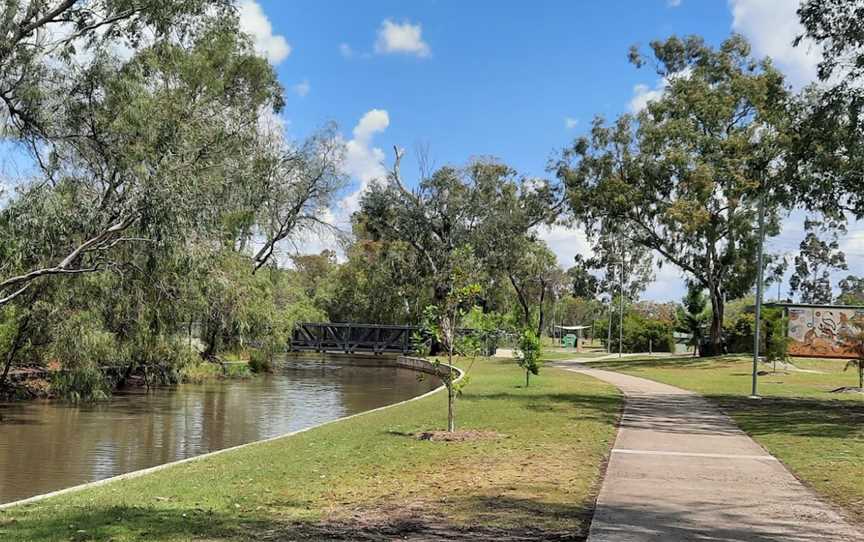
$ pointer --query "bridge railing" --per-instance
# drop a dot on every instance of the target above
(350, 338)
(373, 338)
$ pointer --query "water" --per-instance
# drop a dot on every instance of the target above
(45, 446)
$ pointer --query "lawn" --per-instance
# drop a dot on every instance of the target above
(370, 478)
(819, 435)
(558, 355)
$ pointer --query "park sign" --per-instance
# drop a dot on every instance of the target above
(818, 330)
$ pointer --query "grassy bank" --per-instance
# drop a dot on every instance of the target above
(819, 435)
(369, 478)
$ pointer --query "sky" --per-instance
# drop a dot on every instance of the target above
(516, 80)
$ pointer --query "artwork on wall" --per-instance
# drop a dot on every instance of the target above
(818, 331)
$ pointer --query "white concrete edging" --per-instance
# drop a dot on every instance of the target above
(414, 364)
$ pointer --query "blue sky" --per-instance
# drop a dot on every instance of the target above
(513, 80)
(500, 78)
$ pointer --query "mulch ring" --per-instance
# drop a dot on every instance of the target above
(464, 435)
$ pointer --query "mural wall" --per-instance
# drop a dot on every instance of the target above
(818, 331)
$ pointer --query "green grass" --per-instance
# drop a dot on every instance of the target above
(368, 477)
(819, 435)
(552, 355)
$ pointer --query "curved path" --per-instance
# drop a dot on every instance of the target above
(681, 470)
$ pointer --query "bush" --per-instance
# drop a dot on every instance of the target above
(739, 332)
(260, 362)
(641, 333)
(528, 354)
(83, 349)
(201, 371)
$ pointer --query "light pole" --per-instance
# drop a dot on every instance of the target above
(621, 316)
(754, 392)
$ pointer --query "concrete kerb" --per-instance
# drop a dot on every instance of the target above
(414, 364)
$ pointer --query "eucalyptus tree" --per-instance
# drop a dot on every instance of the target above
(851, 290)
(627, 266)
(485, 207)
(816, 259)
(684, 176)
(828, 145)
(532, 273)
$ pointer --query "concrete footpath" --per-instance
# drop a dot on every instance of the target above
(680, 470)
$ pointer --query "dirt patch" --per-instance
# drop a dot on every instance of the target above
(414, 521)
(466, 435)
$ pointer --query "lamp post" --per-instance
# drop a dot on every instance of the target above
(754, 392)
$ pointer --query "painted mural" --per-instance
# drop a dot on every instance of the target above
(818, 331)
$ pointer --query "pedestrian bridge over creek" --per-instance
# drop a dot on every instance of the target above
(353, 338)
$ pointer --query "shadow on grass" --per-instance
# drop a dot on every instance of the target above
(492, 518)
(589, 406)
(808, 417)
(689, 362)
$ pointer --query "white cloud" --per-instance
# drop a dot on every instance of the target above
(771, 26)
(570, 123)
(673, 3)
(302, 88)
(345, 50)
(253, 21)
(405, 38)
(642, 94)
(363, 161)
(566, 243)
(668, 283)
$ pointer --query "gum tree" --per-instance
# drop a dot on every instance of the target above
(684, 176)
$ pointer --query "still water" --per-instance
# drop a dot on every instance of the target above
(45, 446)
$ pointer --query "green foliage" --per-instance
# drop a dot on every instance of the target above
(199, 372)
(815, 261)
(693, 315)
(83, 349)
(740, 331)
(851, 291)
(641, 332)
(853, 339)
(685, 184)
(776, 340)
(528, 354)
(260, 361)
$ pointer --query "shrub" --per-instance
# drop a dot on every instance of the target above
(83, 348)
(201, 371)
(641, 333)
(528, 354)
(260, 362)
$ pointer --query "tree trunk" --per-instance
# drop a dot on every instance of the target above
(860, 375)
(526, 310)
(17, 343)
(527, 377)
(541, 315)
(451, 411)
(717, 309)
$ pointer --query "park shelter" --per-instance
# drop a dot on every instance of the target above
(562, 331)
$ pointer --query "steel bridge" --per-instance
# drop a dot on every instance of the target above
(353, 338)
